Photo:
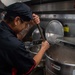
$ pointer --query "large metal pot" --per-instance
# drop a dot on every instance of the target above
(60, 60)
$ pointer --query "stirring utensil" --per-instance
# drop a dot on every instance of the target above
(41, 33)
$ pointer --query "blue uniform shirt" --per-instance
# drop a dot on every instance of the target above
(13, 53)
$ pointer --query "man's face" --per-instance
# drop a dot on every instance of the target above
(20, 25)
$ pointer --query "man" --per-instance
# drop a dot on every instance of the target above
(14, 59)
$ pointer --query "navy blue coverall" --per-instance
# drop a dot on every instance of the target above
(13, 53)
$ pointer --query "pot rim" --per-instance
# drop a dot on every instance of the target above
(67, 64)
(33, 52)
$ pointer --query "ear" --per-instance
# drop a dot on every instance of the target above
(17, 20)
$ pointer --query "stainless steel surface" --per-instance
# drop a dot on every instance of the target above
(48, 71)
(63, 54)
(57, 6)
(60, 59)
(36, 34)
(68, 40)
(58, 16)
(54, 30)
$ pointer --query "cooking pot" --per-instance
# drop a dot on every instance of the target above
(36, 34)
(60, 60)
(34, 50)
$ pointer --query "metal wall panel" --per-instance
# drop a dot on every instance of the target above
(68, 19)
(57, 6)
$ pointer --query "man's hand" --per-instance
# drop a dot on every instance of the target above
(36, 20)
